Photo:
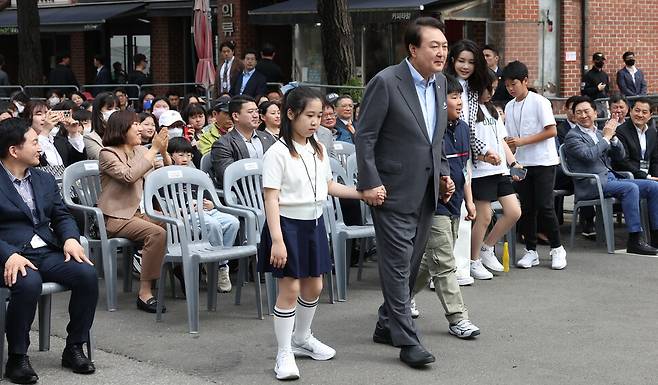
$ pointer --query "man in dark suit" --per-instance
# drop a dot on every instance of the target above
(62, 74)
(103, 74)
(403, 113)
(39, 242)
(589, 150)
(243, 141)
(630, 79)
(639, 140)
(229, 70)
(345, 125)
(267, 66)
(492, 57)
(249, 81)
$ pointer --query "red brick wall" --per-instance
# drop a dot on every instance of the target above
(570, 41)
(521, 35)
(78, 59)
(615, 28)
(166, 61)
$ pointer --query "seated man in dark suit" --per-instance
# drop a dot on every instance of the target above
(243, 141)
(345, 125)
(249, 81)
(589, 151)
(639, 140)
(39, 242)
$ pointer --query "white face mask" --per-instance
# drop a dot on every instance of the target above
(157, 112)
(87, 130)
(20, 107)
(107, 114)
(175, 132)
(53, 101)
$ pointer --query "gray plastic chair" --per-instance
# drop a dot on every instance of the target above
(45, 310)
(181, 209)
(206, 166)
(343, 150)
(243, 189)
(341, 233)
(604, 213)
(82, 180)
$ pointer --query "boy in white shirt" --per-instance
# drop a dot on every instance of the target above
(531, 127)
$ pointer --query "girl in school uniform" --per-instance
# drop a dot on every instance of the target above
(297, 178)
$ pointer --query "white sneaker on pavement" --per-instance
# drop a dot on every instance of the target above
(530, 259)
(464, 329)
(313, 348)
(431, 285)
(478, 271)
(224, 280)
(465, 281)
(559, 258)
(286, 367)
(414, 310)
(489, 260)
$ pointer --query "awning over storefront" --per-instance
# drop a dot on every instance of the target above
(69, 19)
(173, 8)
(362, 11)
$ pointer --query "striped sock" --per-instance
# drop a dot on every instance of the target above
(284, 322)
(305, 313)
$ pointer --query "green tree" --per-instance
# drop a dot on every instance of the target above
(337, 40)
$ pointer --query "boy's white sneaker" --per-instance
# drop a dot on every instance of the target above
(530, 259)
(478, 271)
(313, 348)
(489, 260)
(559, 258)
(286, 367)
(464, 329)
(414, 309)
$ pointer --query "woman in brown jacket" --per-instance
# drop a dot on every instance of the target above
(124, 163)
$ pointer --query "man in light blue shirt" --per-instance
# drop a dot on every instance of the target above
(426, 96)
(249, 81)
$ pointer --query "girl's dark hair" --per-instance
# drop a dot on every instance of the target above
(20, 96)
(296, 101)
(479, 78)
(81, 115)
(117, 127)
(104, 99)
(54, 91)
(186, 100)
(262, 109)
(488, 105)
(193, 110)
(31, 107)
(84, 98)
(160, 98)
(144, 115)
(179, 144)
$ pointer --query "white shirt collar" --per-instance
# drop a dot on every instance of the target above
(418, 78)
(643, 130)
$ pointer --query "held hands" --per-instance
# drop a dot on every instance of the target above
(72, 248)
(491, 158)
(279, 255)
(470, 211)
(446, 188)
(375, 196)
(14, 264)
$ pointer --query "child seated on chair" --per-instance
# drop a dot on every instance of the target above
(222, 228)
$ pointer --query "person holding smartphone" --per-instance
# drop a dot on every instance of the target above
(531, 126)
(491, 182)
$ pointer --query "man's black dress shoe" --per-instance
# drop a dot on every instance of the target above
(150, 305)
(640, 247)
(19, 370)
(416, 356)
(74, 358)
(382, 336)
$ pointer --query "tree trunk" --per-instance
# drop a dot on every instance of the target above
(29, 43)
(337, 40)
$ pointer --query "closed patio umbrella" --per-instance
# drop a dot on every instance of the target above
(205, 69)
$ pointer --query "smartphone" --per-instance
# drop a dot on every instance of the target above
(67, 114)
(187, 129)
(518, 172)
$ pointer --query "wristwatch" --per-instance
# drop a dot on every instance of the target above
(513, 164)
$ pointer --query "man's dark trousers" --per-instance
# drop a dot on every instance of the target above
(81, 278)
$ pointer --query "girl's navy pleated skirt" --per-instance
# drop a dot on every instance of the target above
(306, 245)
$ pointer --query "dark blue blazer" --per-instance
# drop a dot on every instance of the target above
(626, 85)
(54, 222)
(343, 134)
(256, 86)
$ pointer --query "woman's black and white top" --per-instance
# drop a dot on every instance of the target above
(470, 100)
(302, 181)
(492, 131)
(529, 117)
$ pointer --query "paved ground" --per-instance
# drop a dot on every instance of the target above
(593, 323)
